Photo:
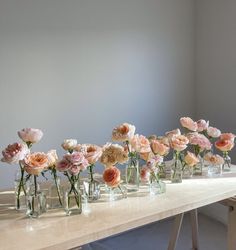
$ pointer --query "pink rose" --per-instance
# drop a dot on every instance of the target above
(92, 153)
(63, 165)
(35, 163)
(202, 125)
(213, 132)
(140, 144)
(123, 132)
(111, 176)
(227, 136)
(188, 123)
(14, 153)
(154, 161)
(171, 133)
(30, 135)
(159, 148)
(145, 174)
(191, 159)
(213, 159)
(179, 142)
(224, 145)
(76, 158)
(74, 170)
(200, 140)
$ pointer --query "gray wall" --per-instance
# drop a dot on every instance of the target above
(77, 68)
(216, 70)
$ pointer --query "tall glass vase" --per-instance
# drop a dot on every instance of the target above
(55, 198)
(36, 200)
(176, 169)
(198, 168)
(227, 162)
(132, 175)
(73, 197)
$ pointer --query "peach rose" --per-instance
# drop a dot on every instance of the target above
(123, 132)
(179, 142)
(145, 174)
(202, 125)
(191, 159)
(188, 123)
(159, 148)
(140, 144)
(14, 153)
(92, 153)
(224, 145)
(164, 140)
(227, 136)
(30, 135)
(69, 144)
(213, 132)
(35, 163)
(52, 158)
(171, 133)
(213, 159)
(145, 156)
(111, 176)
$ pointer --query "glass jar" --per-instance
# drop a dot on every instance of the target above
(91, 190)
(55, 198)
(73, 199)
(116, 193)
(156, 186)
(214, 170)
(199, 166)
(176, 169)
(36, 200)
(227, 162)
(132, 175)
(188, 172)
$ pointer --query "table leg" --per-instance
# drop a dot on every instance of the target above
(194, 226)
(232, 228)
(175, 231)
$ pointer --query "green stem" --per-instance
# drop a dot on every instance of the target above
(91, 172)
(57, 187)
(35, 185)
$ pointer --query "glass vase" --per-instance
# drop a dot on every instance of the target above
(214, 170)
(157, 187)
(199, 166)
(55, 198)
(227, 162)
(73, 199)
(36, 200)
(91, 190)
(176, 170)
(132, 175)
(21, 189)
(116, 193)
(188, 172)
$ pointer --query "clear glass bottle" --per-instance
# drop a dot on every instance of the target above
(188, 172)
(227, 162)
(176, 169)
(91, 190)
(73, 199)
(36, 200)
(116, 193)
(132, 175)
(55, 198)
(156, 186)
(198, 168)
(214, 170)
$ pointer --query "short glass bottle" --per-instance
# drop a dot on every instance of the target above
(132, 175)
(227, 162)
(176, 169)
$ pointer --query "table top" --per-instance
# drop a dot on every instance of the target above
(54, 230)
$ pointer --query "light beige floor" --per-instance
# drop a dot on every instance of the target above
(155, 237)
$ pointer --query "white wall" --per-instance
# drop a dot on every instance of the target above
(216, 70)
(77, 68)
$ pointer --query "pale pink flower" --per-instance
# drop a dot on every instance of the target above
(30, 135)
(14, 153)
(92, 153)
(145, 174)
(179, 142)
(154, 161)
(140, 144)
(159, 148)
(227, 136)
(191, 159)
(69, 144)
(213, 132)
(111, 176)
(52, 158)
(224, 145)
(188, 123)
(63, 165)
(76, 158)
(35, 163)
(123, 132)
(199, 140)
(213, 159)
(202, 125)
(171, 133)
(74, 170)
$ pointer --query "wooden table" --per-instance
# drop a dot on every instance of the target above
(54, 230)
